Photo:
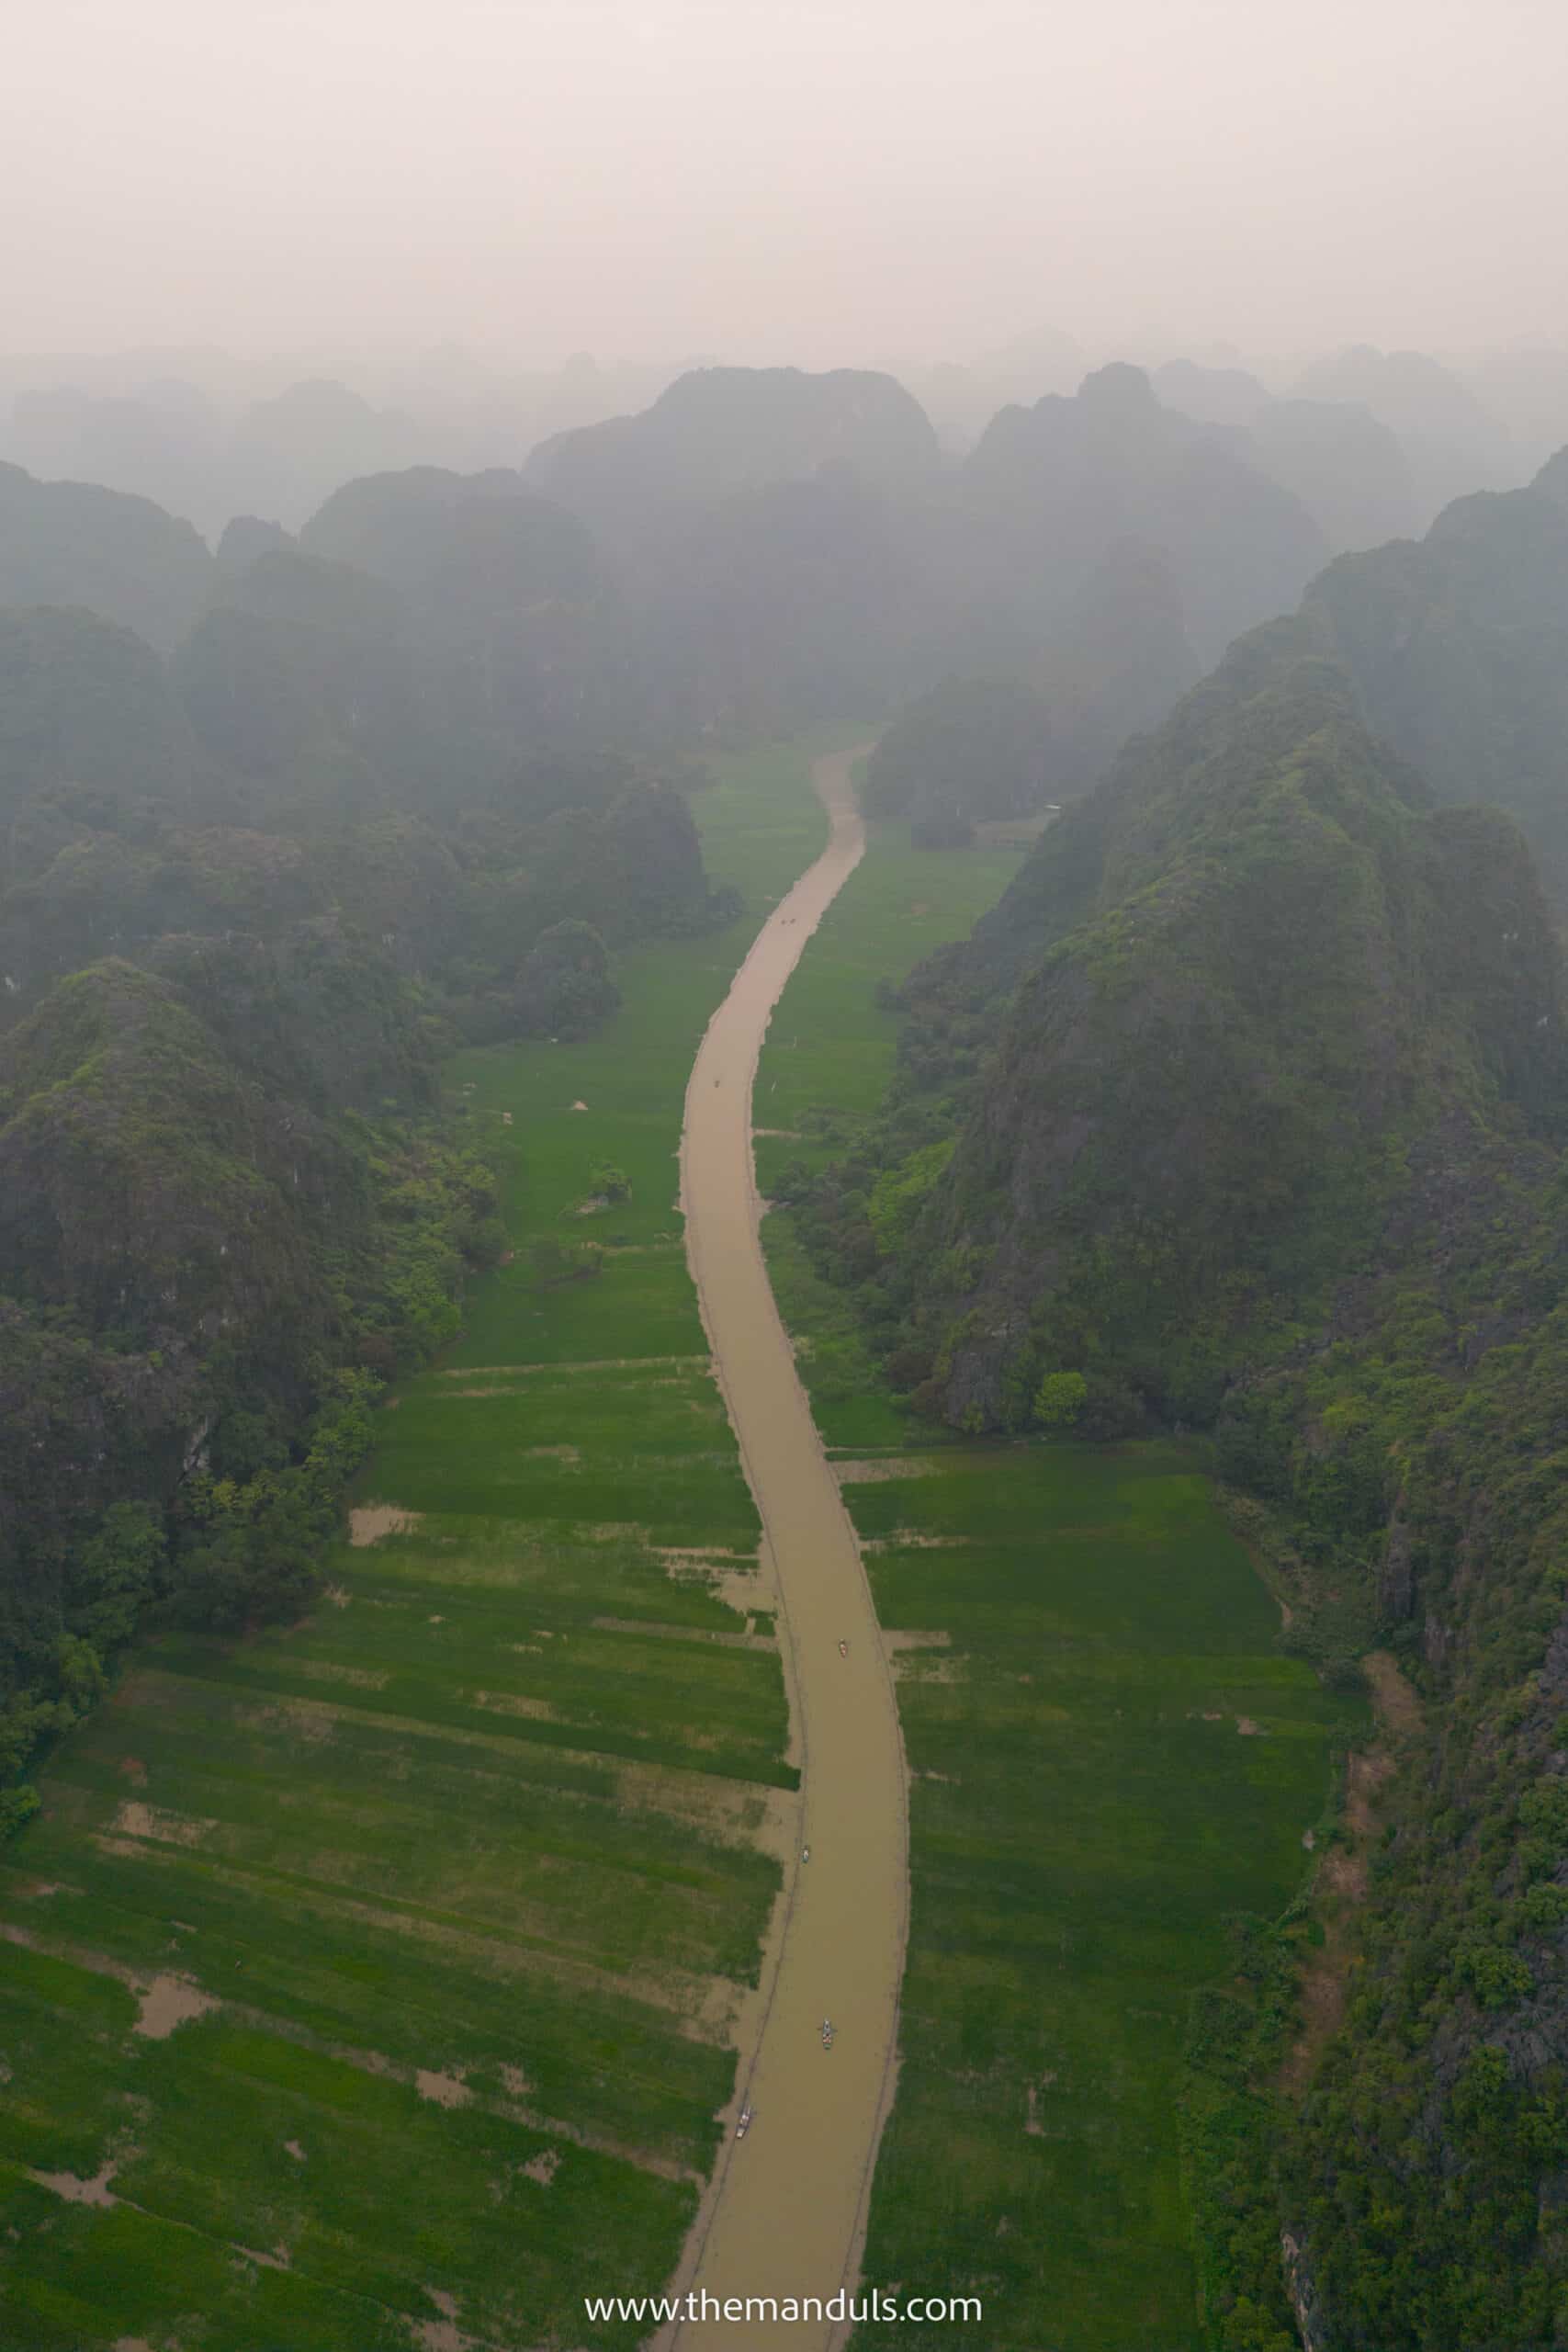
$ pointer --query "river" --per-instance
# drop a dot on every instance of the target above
(785, 2213)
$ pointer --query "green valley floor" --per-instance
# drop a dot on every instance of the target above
(370, 1982)
(374, 1982)
(1109, 1761)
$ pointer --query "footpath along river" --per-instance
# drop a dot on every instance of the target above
(785, 2215)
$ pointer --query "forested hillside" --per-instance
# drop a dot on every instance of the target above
(1242, 1112)
(761, 549)
(1245, 1109)
(247, 901)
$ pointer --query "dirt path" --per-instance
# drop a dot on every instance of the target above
(786, 2213)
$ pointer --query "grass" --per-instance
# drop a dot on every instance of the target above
(830, 1051)
(828, 1061)
(1110, 1760)
(485, 1824)
(482, 1828)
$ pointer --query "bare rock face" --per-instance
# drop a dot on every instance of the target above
(1303, 2293)
(1396, 1581)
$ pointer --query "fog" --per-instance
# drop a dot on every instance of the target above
(884, 182)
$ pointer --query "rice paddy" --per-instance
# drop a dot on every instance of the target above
(367, 1982)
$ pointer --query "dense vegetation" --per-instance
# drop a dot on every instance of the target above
(1094, 1836)
(1459, 650)
(1244, 1109)
(459, 1870)
(1255, 968)
(228, 1210)
(246, 903)
(970, 751)
(1242, 1112)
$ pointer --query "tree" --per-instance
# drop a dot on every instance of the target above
(1060, 1399)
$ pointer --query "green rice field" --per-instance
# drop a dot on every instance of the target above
(1110, 1759)
(366, 1982)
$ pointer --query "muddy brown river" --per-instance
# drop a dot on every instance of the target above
(785, 2213)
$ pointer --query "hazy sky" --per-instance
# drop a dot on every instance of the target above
(761, 179)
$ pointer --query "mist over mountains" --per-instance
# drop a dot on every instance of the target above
(339, 733)
(208, 436)
(756, 548)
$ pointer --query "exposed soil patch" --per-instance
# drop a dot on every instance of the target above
(1398, 1706)
(169, 2002)
(1248, 1729)
(372, 1521)
(446, 2090)
(552, 1454)
(1363, 1780)
(443, 2336)
(1343, 1877)
(95, 2191)
(292, 2148)
(543, 2167)
(137, 1820)
(916, 1638)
